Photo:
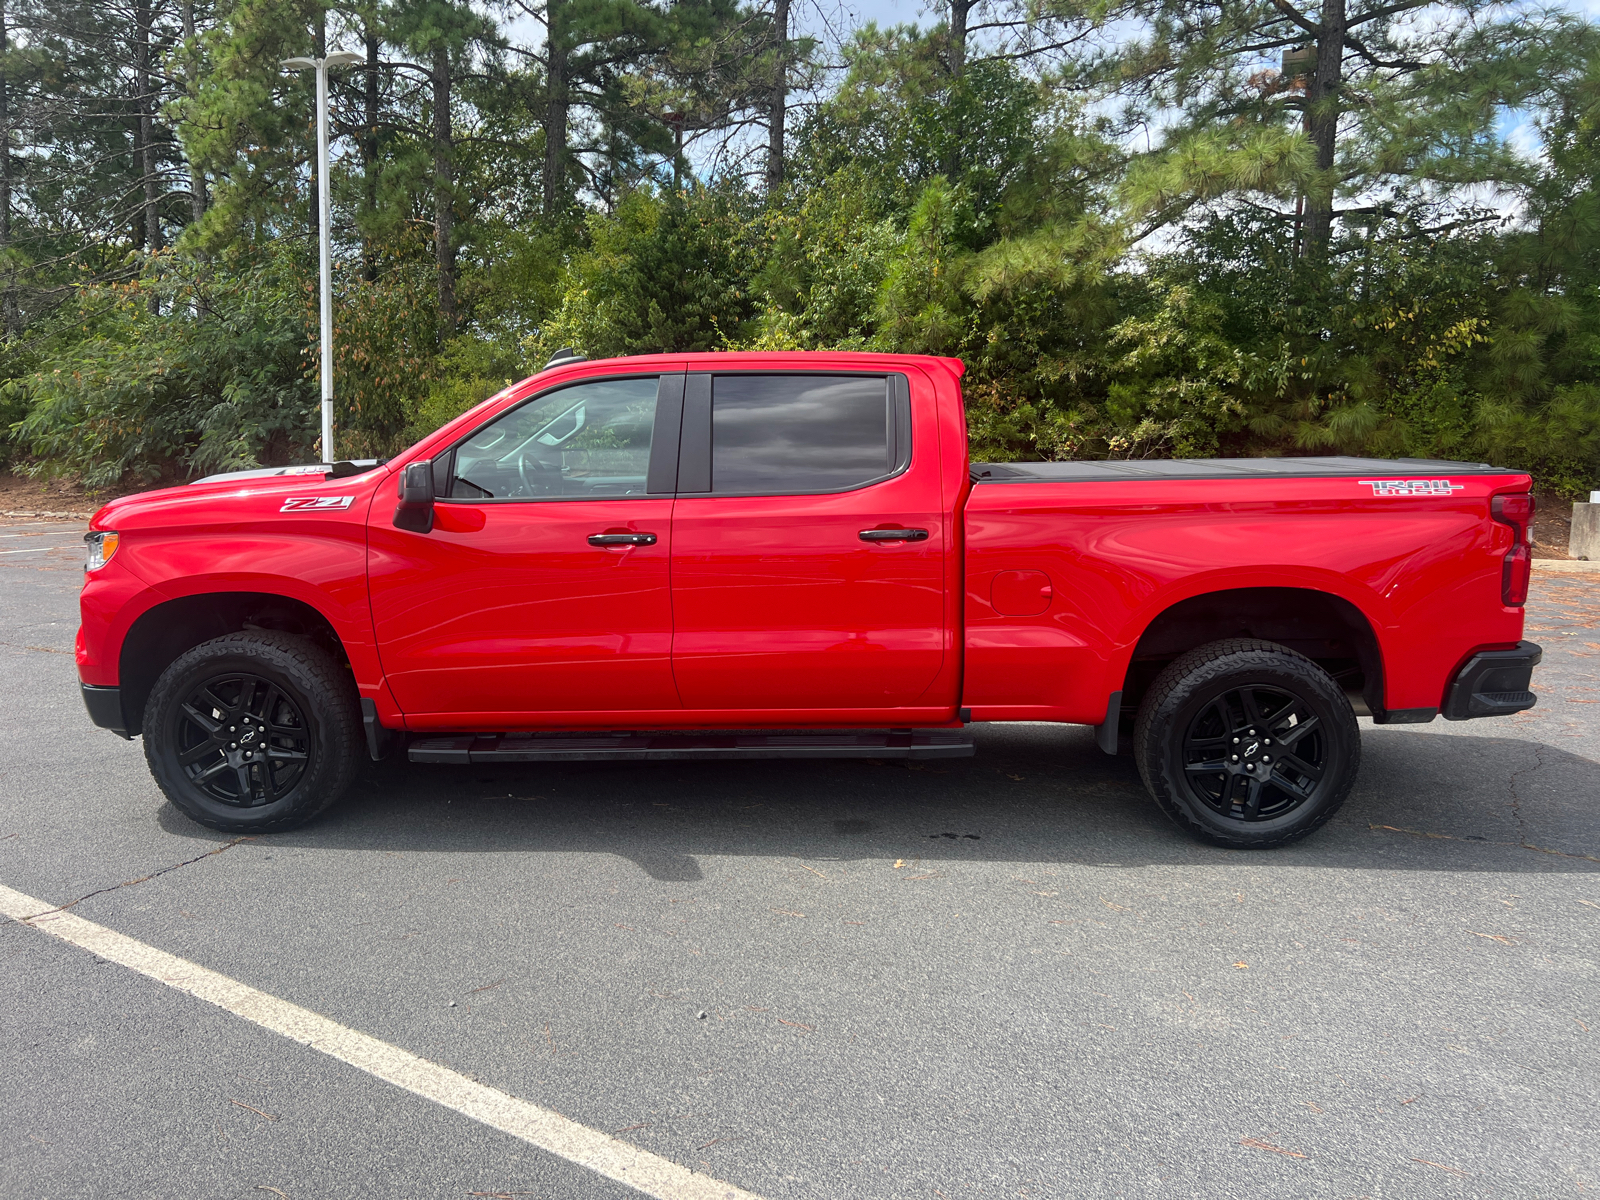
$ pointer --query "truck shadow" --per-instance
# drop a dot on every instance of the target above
(1036, 794)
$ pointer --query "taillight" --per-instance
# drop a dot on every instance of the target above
(1516, 511)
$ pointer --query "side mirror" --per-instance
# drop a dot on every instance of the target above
(415, 510)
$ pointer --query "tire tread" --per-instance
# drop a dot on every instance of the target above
(329, 680)
(1243, 654)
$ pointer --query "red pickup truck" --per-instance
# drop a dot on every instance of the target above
(790, 555)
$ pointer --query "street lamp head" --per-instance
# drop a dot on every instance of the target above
(343, 58)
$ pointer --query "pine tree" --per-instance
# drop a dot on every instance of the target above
(1354, 103)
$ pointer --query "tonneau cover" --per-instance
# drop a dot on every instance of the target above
(1103, 471)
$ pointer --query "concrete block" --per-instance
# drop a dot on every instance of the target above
(1584, 541)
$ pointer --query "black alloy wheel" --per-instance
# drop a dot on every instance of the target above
(242, 740)
(253, 732)
(1255, 753)
(1246, 743)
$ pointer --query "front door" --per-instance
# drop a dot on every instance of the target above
(543, 587)
(807, 555)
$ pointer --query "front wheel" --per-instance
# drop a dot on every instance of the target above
(1247, 744)
(253, 732)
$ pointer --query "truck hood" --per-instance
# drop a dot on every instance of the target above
(360, 465)
(235, 495)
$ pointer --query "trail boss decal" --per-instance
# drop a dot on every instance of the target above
(1412, 487)
(322, 503)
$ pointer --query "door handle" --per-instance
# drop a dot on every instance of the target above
(622, 539)
(894, 535)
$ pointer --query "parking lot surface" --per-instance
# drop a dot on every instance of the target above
(1007, 976)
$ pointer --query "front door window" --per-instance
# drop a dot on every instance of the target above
(583, 442)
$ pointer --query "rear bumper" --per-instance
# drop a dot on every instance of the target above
(105, 707)
(1493, 683)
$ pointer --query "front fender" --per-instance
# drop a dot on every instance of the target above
(259, 537)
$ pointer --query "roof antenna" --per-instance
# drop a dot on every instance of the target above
(564, 356)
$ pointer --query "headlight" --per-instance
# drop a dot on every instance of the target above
(102, 545)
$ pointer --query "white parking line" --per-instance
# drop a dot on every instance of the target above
(36, 549)
(542, 1127)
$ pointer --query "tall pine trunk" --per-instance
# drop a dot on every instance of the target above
(1322, 124)
(10, 318)
(555, 119)
(958, 36)
(145, 155)
(443, 193)
(369, 149)
(778, 102)
(957, 64)
(197, 176)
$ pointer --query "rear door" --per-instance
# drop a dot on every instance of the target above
(808, 546)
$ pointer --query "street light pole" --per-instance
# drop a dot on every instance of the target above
(324, 220)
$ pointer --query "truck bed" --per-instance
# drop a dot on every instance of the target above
(1073, 576)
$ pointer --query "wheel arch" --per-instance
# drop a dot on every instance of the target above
(1328, 629)
(162, 633)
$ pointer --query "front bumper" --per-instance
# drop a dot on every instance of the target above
(1493, 683)
(105, 708)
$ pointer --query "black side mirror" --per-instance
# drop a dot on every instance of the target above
(415, 510)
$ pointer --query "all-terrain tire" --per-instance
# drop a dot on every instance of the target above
(253, 732)
(1247, 744)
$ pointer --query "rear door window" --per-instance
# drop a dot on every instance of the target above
(778, 434)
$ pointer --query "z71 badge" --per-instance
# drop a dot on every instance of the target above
(1412, 487)
(320, 503)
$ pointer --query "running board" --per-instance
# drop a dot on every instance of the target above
(614, 747)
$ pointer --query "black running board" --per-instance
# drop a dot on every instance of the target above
(615, 747)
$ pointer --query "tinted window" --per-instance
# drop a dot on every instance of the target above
(591, 439)
(798, 433)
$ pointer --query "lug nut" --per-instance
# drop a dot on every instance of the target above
(1266, 758)
(1268, 741)
(1235, 758)
(1235, 741)
(233, 745)
(235, 729)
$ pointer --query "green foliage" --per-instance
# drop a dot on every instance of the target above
(920, 303)
(825, 260)
(385, 360)
(662, 273)
(468, 371)
(217, 383)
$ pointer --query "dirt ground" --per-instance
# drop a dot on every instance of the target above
(55, 499)
(1552, 525)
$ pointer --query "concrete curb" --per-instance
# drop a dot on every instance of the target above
(1563, 566)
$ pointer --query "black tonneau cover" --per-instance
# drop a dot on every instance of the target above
(1104, 471)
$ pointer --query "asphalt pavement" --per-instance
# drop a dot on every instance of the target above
(1007, 976)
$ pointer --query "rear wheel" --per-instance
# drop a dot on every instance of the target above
(253, 732)
(1247, 744)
